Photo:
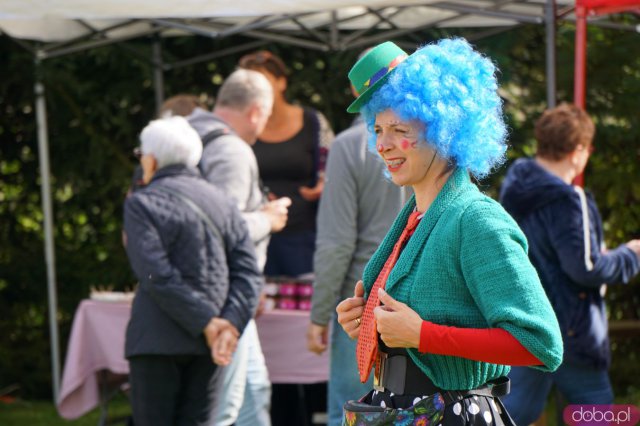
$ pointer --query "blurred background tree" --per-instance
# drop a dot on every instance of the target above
(98, 101)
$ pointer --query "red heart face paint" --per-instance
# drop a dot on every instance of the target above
(405, 144)
(380, 148)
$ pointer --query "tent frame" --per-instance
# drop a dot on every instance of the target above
(324, 37)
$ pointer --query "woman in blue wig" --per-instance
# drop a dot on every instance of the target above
(449, 301)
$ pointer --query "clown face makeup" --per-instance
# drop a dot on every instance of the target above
(397, 142)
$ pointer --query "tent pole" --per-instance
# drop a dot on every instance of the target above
(49, 250)
(580, 66)
(580, 56)
(550, 23)
(158, 73)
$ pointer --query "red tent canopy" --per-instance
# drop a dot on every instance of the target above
(605, 7)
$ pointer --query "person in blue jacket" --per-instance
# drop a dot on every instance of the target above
(199, 281)
(566, 246)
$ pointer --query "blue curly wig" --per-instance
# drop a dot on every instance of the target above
(452, 89)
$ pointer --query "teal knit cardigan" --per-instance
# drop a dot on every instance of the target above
(466, 265)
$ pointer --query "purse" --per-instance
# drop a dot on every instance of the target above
(428, 411)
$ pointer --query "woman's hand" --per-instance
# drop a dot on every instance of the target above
(222, 339)
(224, 347)
(399, 325)
(350, 311)
(312, 194)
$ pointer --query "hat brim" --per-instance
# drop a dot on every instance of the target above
(366, 95)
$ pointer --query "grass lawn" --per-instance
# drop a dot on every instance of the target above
(43, 413)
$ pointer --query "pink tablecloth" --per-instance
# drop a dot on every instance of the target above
(97, 343)
(284, 343)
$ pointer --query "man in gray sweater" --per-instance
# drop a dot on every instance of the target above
(358, 206)
(242, 108)
(243, 104)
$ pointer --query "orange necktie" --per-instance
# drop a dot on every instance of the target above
(367, 348)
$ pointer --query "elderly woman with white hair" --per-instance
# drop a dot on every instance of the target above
(199, 280)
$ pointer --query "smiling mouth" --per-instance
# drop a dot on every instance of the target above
(395, 163)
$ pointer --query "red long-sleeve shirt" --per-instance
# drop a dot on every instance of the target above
(493, 345)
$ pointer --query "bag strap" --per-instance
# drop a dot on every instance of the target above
(585, 227)
(215, 134)
(198, 211)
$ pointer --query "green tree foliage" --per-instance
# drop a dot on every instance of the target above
(613, 175)
(98, 102)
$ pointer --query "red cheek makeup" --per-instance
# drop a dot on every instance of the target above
(405, 144)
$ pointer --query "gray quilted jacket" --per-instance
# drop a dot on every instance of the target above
(187, 276)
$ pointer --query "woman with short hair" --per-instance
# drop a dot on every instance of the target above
(199, 281)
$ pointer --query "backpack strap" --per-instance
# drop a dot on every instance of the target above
(215, 134)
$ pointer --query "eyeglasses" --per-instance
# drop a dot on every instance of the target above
(137, 153)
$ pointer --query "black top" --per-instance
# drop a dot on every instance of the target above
(286, 166)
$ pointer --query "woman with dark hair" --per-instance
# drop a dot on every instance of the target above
(291, 154)
(449, 300)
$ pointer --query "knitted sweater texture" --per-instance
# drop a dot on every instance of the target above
(466, 265)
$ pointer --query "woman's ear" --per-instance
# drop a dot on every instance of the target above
(281, 84)
(149, 167)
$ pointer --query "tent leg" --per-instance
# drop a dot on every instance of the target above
(550, 22)
(580, 57)
(158, 73)
(49, 250)
(580, 68)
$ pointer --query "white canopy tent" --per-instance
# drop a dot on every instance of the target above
(60, 27)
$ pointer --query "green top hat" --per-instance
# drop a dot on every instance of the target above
(372, 70)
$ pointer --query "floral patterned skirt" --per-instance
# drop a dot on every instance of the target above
(426, 412)
(385, 408)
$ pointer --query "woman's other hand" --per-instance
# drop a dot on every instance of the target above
(312, 194)
(350, 311)
(399, 325)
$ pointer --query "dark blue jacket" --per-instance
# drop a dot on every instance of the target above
(186, 276)
(568, 256)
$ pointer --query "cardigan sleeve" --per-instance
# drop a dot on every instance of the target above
(504, 284)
